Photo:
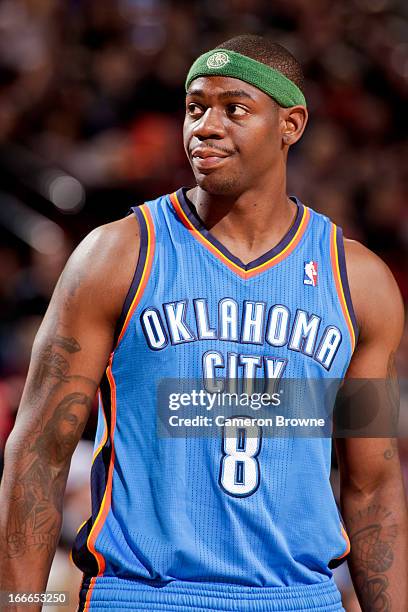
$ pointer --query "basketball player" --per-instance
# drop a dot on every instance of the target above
(229, 279)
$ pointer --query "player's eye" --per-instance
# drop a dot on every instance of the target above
(236, 110)
(194, 110)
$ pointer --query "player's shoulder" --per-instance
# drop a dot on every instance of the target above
(373, 288)
(366, 266)
(112, 238)
(108, 246)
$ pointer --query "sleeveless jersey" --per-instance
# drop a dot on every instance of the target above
(250, 512)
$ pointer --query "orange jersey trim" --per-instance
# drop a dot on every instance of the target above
(334, 256)
(89, 593)
(96, 453)
(107, 498)
(245, 274)
(105, 430)
(348, 545)
(151, 243)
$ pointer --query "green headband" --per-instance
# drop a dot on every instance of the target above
(223, 62)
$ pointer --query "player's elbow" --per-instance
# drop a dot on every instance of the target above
(373, 484)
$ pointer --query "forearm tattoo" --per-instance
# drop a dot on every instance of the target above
(373, 537)
(43, 463)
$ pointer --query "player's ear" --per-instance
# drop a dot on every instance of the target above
(293, 122)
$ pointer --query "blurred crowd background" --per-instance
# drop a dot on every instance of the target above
(91, 108)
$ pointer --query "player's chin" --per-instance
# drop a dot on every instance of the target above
(217, 183)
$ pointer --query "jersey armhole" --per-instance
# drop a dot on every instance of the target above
(142, 271)
(338, 259)
(333, 563)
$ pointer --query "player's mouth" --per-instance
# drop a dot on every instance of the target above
(204, 158)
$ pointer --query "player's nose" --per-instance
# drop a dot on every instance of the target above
(210, 125)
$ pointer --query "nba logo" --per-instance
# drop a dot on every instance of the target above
(310, 273)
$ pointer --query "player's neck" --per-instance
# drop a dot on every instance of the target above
(252, 222)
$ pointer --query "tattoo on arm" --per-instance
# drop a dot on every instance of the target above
(53, 368)
(43, 462)
(372, 551)
(37, 494)
(69, 344)
(389, 453)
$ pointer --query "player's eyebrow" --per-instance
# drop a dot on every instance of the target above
(231, 93)
(235, 93)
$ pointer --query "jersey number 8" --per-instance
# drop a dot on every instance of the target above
(239, 470)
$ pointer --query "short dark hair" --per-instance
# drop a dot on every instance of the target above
(269, 53)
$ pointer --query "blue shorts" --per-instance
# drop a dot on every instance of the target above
(116, 595)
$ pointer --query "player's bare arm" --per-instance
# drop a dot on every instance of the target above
(372, 494)
(69, 355)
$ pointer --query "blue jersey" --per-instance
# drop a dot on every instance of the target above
(246, 512)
